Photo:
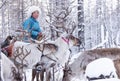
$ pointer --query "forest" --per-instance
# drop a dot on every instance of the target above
(91, 25)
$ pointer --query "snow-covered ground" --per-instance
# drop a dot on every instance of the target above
(29, 74)
(94, 69)
(29, 71)
(112, 79)
(104, 66)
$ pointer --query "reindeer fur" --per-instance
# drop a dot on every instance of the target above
(79, 65)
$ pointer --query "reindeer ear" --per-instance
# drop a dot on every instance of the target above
(49, 48)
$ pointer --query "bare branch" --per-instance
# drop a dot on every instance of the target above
(3, 4)
(73, 27)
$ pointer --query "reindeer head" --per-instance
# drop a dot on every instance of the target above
(73, 41)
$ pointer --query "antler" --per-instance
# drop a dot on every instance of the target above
(19, 53)
(73, 27)
(16, 54)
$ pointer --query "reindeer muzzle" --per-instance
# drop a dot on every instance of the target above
(77, 42)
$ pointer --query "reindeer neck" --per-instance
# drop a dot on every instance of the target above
(62, 45)
(62, 42)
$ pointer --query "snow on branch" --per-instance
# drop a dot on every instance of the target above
(3, 4)
(102, 43)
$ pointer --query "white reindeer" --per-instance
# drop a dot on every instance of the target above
(63, 43)
(11, 69)
(32, 58)
(8, 69)
(55, 51)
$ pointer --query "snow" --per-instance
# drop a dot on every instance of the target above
(20, 43)
(100, 66)
(28, 74)
(74, 57)
(101, 29)
(112, 79)
(102, 43)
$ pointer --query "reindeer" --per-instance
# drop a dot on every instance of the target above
(47, 51)
(8, 69)
(14, 71)
(78, 66)
(39, 70)
(21, 54)
(58, 55)
(56, 51)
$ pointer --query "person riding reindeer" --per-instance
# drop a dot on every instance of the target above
(31, 24)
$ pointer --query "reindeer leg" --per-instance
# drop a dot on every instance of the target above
(117, 66)
(37, 76)
(42, 75)
(33, 74)
(48, 75)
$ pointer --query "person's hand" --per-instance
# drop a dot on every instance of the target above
(40, 34)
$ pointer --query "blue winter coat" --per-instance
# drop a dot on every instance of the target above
(32, 26)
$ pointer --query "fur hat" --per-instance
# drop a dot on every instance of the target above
(33, 9)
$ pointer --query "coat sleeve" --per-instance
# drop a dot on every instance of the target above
(26, 25)
(39, 29)
(34, 33)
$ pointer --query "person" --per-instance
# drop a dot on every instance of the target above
(31, 24)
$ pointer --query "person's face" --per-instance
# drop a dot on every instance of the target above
(35, 14)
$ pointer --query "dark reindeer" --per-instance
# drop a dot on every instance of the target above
(79, 65)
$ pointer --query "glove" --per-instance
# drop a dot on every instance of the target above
(40, 34)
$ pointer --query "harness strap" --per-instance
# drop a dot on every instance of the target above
(66, 40)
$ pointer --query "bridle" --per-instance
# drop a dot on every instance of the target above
(65, 40)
